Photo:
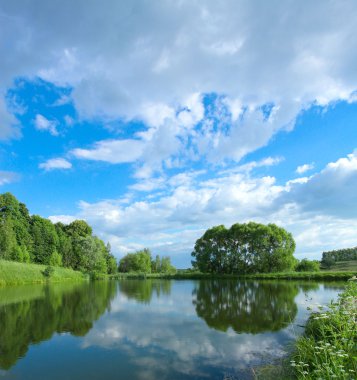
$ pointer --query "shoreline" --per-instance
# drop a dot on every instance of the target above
(326, 276)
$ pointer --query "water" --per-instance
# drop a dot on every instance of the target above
(153, 329)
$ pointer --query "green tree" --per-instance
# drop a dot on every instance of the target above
(8, 243)
(45, 239)
(140, 261)
(244, 248)
(55, 259)
(306, 265)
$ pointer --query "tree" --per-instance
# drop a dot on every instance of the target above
(45, 239)
(55, 259)
(8, 242)
(306, 265)
(139, 261)
(244, 248)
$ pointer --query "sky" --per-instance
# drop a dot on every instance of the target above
(154, 121)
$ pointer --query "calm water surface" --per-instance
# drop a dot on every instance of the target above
(153, 329)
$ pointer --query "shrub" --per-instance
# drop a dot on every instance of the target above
(48, 272)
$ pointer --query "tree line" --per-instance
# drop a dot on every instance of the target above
(331, 257)
(31, 238)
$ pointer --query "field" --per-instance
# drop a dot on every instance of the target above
(343, 266)
(13, 273)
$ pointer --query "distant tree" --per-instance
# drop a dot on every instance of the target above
(91, 255)
(331, 257)
(244, 248)
(166, 266)
(139, 261)
(306, 265)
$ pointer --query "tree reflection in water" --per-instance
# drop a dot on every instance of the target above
(59, 308)
(246, 306)
(143, 290)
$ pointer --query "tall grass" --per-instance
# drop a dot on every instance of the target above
(328, 349)
(13, 273)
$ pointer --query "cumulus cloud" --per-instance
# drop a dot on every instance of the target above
(331, 191)
(55, 163)
(43, 124)
(304, 168)
(144, 60)
(312, 210)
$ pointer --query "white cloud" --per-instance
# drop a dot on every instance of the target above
(304, 168)
(113, 151)
(8, 177)
(331, 191)
(162, 53)
(55, 163)
(312, 209)
(43, 124)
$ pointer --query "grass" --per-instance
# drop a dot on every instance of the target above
(343, 266)
(190, 275)
(328, 349)
(14, 273)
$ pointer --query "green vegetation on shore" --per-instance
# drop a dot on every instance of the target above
(32, 239)
(328, 348)
(195, 275)
(13, 273)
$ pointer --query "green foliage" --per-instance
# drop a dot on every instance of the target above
(306, 265)
(328, 349)
(26, 238)
(331, 257)
(55, 259)
(244, 248)
(162, 265)
(142, 262)
(48, 272)
(45, 239)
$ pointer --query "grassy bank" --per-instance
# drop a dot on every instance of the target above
(14, 273)
(328, 348)
(326, 276)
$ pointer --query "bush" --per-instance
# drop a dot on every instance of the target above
(48, 272)
(306, 265)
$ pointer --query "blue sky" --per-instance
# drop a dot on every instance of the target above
(155, 122)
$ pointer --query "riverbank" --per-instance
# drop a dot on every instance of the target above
(328, 349)
(14, 273)
(326, 276)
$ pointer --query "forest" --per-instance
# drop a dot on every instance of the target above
(33, 239)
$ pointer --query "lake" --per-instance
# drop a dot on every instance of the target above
(152, 329)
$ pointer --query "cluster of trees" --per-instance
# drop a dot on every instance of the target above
(244, 248)
(27, 238)
(306, 265)
(331, 257)
(142, 261)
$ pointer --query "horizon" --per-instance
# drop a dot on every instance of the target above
(154, 122)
